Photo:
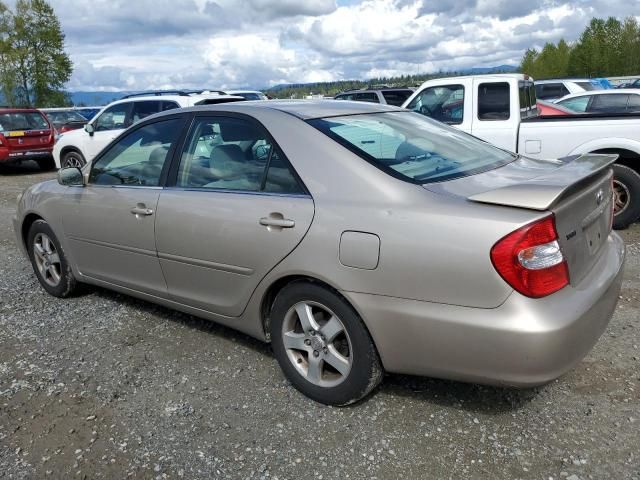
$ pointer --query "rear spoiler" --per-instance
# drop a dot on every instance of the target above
(542, 192)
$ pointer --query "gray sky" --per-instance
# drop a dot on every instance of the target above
(144, 44)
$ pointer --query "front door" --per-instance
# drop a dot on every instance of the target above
(235, 211)
(110, 222)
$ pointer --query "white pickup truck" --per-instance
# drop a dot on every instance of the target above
(501, 109)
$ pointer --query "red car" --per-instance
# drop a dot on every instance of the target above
(548, 109)
(25, 134)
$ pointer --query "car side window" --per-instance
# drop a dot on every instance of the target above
(577, 104)
(494, 101)
(139, 157)
(612, 103)
(443, 103)
(145, 108)
(634, 103)
(367, 97)
(115, 117)
(344, 97)
(551, 90)
(228, 153)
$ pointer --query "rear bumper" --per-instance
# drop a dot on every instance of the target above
(524, 342)
(8, 156)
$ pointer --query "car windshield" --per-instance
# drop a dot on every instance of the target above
(22, 121)
(61, 118)
(412, 147)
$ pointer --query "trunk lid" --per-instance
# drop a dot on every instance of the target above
(576, 189)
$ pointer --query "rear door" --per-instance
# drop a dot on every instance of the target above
(235, 210)
(496, 113)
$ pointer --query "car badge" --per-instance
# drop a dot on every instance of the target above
(20, 141)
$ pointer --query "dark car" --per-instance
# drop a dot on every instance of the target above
(385, 95)
(64, 120)
(25, 134)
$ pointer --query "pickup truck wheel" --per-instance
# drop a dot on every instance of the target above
(626, 196)
(73, 159)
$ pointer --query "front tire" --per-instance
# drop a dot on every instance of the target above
(626, 195)
(73, 159)
(49, 261)
(322, 345)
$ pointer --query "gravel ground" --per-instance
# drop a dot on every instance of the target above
(105, 386)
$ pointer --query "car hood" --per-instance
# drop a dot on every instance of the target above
(526, 182)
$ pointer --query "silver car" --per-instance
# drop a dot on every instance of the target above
(356, 238)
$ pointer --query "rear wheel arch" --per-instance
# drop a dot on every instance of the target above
(278, 285)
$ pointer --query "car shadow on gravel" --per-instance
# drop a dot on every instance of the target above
(168, 314)
(26, 168)
(462, 396)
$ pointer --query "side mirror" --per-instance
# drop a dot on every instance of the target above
(89, 129)
(71, 177)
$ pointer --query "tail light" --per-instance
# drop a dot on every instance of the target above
(530, 259)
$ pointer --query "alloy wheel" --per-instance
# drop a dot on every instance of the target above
(47, 259)
(317, 344)
(73, 161)
(621, 197)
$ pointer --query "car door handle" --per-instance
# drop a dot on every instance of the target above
(141, 210)
(277, 222)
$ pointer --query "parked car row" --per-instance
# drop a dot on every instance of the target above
(502, 109)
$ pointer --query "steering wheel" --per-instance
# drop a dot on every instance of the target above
(424, 110)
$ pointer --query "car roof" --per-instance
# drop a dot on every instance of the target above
(560, 80)
(611, 91)
(302, 109)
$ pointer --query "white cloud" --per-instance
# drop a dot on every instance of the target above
(123, 44)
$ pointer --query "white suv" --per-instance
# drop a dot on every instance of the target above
(77, 147)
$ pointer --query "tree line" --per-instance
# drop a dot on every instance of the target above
(33, 64)
(606, 48)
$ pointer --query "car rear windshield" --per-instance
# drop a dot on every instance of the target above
(63, 117)
(412, 147)
(13, 121)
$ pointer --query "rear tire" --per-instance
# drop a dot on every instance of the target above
(626, 186)
(49, 261)
(73, 159)
(322, 345)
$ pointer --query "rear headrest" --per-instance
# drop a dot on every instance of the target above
(238, 131)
